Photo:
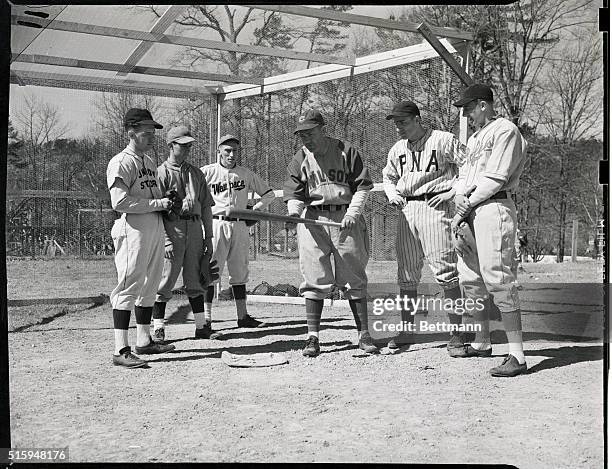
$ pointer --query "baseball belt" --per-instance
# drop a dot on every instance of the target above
(190, 217)
(425, 197)
(329, 207)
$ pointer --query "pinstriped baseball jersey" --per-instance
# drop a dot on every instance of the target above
(231, 187)
(424, 166)
(332, 178)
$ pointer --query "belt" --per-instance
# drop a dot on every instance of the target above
(224, 218)
(499, 195)
(425, 196)
(190, 217)
(329, 207)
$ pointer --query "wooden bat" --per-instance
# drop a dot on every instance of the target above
(257, 215)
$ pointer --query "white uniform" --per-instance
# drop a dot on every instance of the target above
(230, 188)
(138, 235)
(415, 169)
(498, 151)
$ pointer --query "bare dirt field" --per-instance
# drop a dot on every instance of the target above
(416, 406)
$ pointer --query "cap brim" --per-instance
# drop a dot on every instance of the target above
(463, 101)
(305, 127)
(399, 114)
(229, 140)
(157, 125)
(184, 139)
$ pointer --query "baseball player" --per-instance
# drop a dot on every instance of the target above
(138, 237)
(184, 232)
(495, 159)
(326, 180)
(418, 179)
(229, 185)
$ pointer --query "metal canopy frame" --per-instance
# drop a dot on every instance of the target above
(245, 86)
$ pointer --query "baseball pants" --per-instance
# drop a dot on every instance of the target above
(350, 251)
(187, 242)
(424, 233)
(139, 258)
(231, 245)
(489, 270)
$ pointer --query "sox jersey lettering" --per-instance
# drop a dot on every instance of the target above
(425, 166)
(231, 187)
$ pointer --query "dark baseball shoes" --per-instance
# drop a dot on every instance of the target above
(401, 341)
(127, 359)
(367, 344)
(469, 352)
(154, 348)
(312, 348)
(159, 336)
(207, 332)
(509, 367)
(249, 321)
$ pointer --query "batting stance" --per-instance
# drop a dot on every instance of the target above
(495, 159)
(326, 180)
(418, 179)
(183, 232)
(138, 237)
(229, 185)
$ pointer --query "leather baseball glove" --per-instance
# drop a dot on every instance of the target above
(463, 238)
(250, 223)
(209, 271)
(177, 203)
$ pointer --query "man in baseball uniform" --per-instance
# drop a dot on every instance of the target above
(230, 185)
(185, 240)
(138, 237)
(495, 159)
(327, 180)
(418, 179)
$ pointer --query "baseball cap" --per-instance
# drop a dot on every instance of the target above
(137, 116)
(474, 92)
(227, 138)
(180, 134)
(309, 120)
(404, 109)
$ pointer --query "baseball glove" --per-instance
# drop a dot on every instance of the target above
(464, 241)
(209, 271)
(250, 223)
(177, 203)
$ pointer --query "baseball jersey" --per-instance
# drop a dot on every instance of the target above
(189, 183)
(139, 174)
(231, 187)
(331, 178)
(427, 165)
(497, 151)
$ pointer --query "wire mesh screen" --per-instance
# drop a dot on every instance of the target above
(354, 109)
(57, 199)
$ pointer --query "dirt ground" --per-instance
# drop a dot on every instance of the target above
(417, 406)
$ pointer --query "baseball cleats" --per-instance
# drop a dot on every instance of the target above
(154, 348)
(367, 344)
(159, 336)
(509, 367)
(400, 341)
(248, 321)
(127, 359)
(468, 352)
(312, 348)
(455, 346)
(206, 332)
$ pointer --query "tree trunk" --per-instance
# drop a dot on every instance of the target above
(561, 238)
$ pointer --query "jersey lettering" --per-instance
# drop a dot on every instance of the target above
(148, 183)
(220, 187)
(432, 162)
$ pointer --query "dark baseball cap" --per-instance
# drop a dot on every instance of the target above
(404, 109)
(137, 116)
(180, 134)
(309, 120)
(228, 138)
(474, 92)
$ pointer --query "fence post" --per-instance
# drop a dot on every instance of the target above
(574, 239)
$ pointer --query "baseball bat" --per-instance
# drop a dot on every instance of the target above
(257, 215)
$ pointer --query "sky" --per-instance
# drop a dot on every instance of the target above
(75, 105)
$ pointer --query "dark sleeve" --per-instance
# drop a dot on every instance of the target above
(295, 187)
(359, 178)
